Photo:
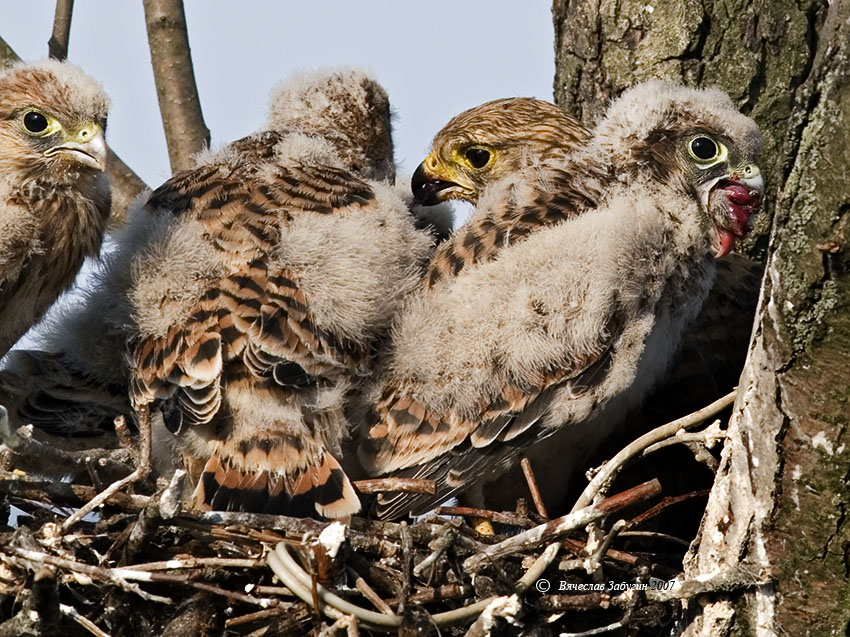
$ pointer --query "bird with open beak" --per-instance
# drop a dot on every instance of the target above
(562, 302)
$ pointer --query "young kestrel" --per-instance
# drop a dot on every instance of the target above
(579, 317)
(270, 274)
(54, 195)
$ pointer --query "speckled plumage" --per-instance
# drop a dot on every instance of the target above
(582, 315)
(516, 133)
(258, 303)
(54, 195)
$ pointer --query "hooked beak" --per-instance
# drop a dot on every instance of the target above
(428, 189)
(733, 200)
(88, 147)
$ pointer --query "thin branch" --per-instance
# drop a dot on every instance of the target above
(609, 471)
(185, 130)
(57, 45)
(86, 623)
(402, 485)
(561, 526)
(528, 472)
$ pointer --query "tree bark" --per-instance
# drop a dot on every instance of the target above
(185, 130)
(777, 516)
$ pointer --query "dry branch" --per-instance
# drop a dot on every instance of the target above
(57, 45)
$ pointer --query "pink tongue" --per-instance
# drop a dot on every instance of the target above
(742, 204)
(736, 193)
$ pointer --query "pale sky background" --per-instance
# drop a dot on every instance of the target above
(434, 58)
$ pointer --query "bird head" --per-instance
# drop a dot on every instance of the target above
(347, 108)
(696, 143)
(52, 122)
(488, 142)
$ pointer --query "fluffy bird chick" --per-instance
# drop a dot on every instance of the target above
(275, 268)
(582, 316)
(521, 132)
(54, 195)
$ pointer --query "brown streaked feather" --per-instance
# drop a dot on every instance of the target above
(275, 472)
(508, 222)
(252, 304)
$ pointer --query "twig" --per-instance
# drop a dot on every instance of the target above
(369, 593)
(255, 616)
(666, 502)
(196, 562)
(561, 526)
(609, 471)
(501, 517)
(407, 567)
(294, 578)
(532, 487)
(505, 607)
(179, 106)
(402, 485)
(63, 493)
(86, 623)
(57, 45)
(595, 631)
(114, 575)
(438, 547)
(122, 431)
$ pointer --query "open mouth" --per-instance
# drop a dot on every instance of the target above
(427, 189)
(741, 202)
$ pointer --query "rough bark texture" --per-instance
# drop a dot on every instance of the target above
(776, 524)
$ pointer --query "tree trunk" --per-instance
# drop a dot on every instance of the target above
(774, 532)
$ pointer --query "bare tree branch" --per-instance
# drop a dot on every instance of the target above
(185, 130)
(126, 185)
(7, 56)
(57, 45)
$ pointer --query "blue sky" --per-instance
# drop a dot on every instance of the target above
(434, 58)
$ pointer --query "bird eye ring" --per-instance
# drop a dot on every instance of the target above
(35, 122)
(705, 150)
(478, 157)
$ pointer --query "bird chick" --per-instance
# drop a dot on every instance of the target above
(270, 274)
(519, 132)
(582, 316)
(54, 195)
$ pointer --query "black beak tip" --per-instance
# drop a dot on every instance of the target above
(425, 188)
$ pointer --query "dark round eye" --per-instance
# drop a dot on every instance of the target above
(703, 148)
(35, 122)
(478, 157)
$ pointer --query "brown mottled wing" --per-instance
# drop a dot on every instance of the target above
(565, 196)
(409, 440)
(257, 313)
(254, 324)
(41, 388)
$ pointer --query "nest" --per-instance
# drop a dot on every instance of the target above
(81, 558)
